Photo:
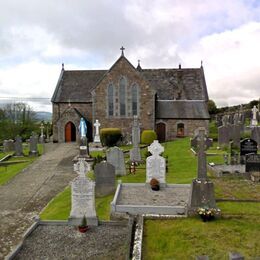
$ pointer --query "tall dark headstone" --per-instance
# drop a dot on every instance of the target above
(224, 132)
(135, 154)
(33, 145)
(18, 146)
(105, 178)
(247, 146)
(202, 189)
(255, 135)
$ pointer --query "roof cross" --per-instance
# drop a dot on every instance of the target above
(122, 49)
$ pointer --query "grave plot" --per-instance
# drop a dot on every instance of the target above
(141, 198)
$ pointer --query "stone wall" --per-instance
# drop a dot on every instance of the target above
(64, 113)
(146, 99)
(190, 125)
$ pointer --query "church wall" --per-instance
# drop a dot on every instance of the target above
(146, 97)
(189, 126)
(63, 113)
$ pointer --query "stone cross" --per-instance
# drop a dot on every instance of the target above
(156, 148)
(155, 164)
(254, 119)
(81, 167)
(202, 143)
(42, 128)
(97, 136)
(122, 49)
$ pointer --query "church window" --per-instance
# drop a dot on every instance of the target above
(110, 100)
(122, 96)
(134, 100)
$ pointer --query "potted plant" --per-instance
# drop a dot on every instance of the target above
(83, 227)
(207, 213)
(155, 185)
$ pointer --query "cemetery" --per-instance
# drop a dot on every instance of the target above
(124, 217)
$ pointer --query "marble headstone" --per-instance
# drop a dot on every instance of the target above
(155, 164)
(97, 136)
(105, 179)
(254, 121)
(18, 146)
(33, 145)
(82, 196)
(115, 156)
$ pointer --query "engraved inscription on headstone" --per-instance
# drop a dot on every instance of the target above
(248, 146)
(253, 163)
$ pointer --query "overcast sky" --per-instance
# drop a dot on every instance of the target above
(37, 36)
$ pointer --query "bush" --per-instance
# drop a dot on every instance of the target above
(148, 136)
(110, 136)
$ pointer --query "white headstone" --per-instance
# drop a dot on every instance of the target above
(254, 119)
(155, 164)
(97, 136)
(83, 196)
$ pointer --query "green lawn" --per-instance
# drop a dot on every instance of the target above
(8, 172)
(238, 230)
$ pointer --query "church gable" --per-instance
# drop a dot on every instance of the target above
(121, 94)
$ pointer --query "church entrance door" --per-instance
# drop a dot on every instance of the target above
(180, 130)
(161, 133)
(70, 132)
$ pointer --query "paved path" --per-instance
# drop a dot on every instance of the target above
(29, 192)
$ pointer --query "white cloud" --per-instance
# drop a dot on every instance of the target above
(37, 35)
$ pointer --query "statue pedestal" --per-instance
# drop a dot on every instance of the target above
(201, 195)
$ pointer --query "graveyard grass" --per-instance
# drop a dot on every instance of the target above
(10, 171)
(182, 238)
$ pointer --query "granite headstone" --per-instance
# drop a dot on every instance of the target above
(115, 156)
(18, 146)
(105, 179)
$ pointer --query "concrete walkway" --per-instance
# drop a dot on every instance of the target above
(29, 192)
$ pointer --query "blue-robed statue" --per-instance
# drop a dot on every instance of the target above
(82, 128)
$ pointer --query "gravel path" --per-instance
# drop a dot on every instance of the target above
(29, 191)
(104, 242)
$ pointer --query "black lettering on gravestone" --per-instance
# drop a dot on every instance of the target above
(248, 146)
(18, 146)
(105, 178)
(253, 163)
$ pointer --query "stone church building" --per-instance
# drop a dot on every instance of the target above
(173, 102)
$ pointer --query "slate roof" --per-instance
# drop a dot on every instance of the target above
(182, 83)
(174, 109)
(190, 82)
(76, 85)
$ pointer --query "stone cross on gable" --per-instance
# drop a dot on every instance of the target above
(202, 143)
(156, 148)
(81, 167)
(122, 49)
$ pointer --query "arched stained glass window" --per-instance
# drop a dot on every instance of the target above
(110, 92)
(122, 93)
(134, 100)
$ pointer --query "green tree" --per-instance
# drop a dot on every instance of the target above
(212, 107)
